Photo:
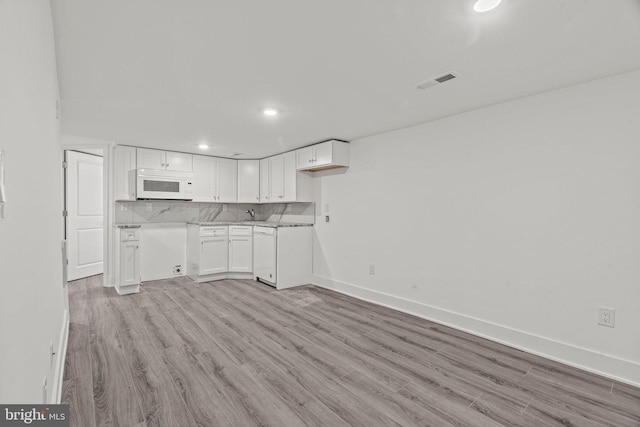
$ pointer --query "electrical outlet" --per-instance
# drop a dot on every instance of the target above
(177, 270)
(372, 269)
(326, 218)
(606, 317)
(224, 207)
(326, 208)
(287, 208)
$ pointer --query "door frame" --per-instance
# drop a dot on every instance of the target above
(73, 143)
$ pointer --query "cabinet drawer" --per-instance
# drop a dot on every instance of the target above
(213, 230)
(129, 235)
(240, 230)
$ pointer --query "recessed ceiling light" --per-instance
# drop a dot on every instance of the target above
(203, 146)
(270, 112)
(485, 5)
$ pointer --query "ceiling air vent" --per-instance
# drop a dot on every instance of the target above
(430, 82)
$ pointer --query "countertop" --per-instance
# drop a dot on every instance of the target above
(273, 224)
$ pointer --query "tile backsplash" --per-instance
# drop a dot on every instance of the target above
(164, 211)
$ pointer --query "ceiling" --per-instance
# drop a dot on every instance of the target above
(172, 73)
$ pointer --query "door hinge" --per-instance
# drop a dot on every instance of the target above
(65, 165)
(65, 214)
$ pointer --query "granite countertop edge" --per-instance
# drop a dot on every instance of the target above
(273, 224)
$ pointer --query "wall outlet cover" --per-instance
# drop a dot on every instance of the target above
(326, 218)
(606, 317)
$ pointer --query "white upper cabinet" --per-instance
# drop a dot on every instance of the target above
(226, 180)
(203, 178)
(125, 161)
(214, 179)
(248, 181)
(264, 181)
(326, 155)
(280, 182)
(164, 160)
(276, 178)
(289, 177)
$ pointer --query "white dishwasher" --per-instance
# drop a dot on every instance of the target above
(264, 254)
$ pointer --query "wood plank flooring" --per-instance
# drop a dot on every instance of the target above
(239, 353)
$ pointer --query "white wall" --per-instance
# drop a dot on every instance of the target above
(163, 246)
(31, 305)
(513, 221)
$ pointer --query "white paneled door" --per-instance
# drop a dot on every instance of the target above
(84, 215)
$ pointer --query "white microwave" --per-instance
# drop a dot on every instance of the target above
(150, 184)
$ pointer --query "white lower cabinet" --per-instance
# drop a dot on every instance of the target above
(283, 256)
(213, 255)
(240, 249)
(219, 252)
(128, 261)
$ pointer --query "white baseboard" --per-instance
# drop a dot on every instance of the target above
(625, 371)
(58, 375)
(221, 276)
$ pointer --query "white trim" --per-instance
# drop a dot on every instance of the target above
(615, 368)
(58, 375)
(221, 276)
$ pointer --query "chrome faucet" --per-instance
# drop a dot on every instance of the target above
(252, 214)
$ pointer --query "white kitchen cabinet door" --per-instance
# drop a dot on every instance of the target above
(227, 180)
(125, 161)
(289, 177)
(180, 162)
(264, 181)
(323, 154)
(150, 159)
(276, 178)
(248, 181)
(214, 254)
(326, 155)
(304, 157)
(203, 178)
(129, 263)
(240, 254)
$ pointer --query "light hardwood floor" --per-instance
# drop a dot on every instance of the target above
(239, 353)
